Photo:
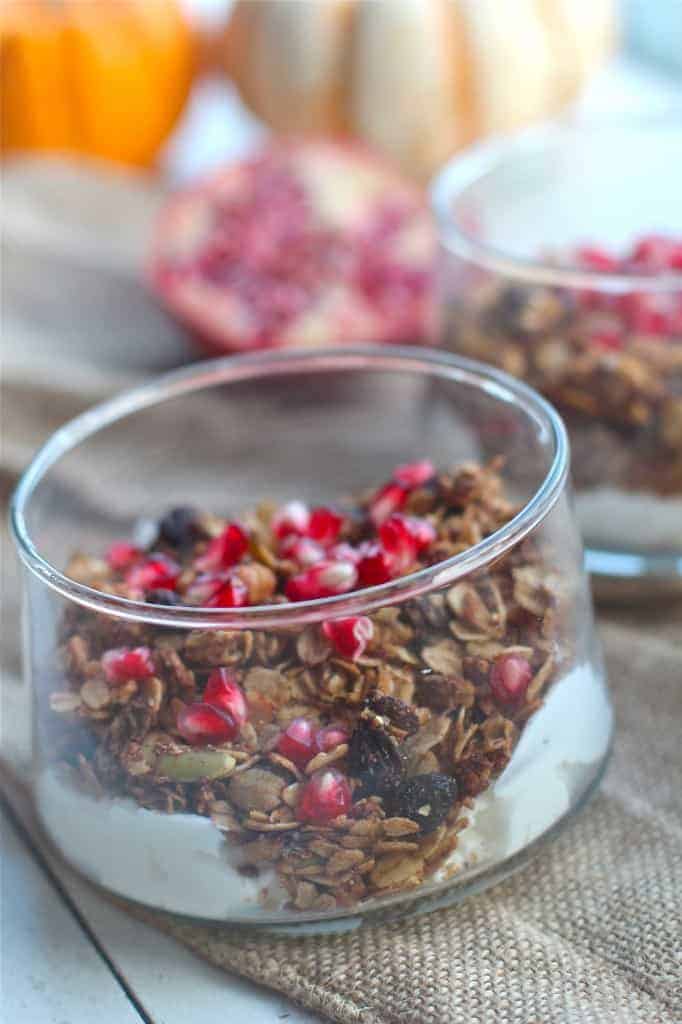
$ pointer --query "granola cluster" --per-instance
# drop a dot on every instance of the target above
(342, 756)
(611, 364)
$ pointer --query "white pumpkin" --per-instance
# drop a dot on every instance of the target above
(415, 78)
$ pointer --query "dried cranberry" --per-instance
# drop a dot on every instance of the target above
(326, 796)
(291, 518)
(225, 550)
(200, 724)
(510, 676)
(375, 566)
(386, 501)
(297, 742)
(414, 474)
(123, 663)
(180, 527)
(157, 572)
(330, 737)
(323, 580)
(349, 636)
(223, 691)
(121, 555)
(373, 756)
(426, 799)
(324, 525)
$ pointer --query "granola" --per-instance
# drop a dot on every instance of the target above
(611, 363)
(342, 756)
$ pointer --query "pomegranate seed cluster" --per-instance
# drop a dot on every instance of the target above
(611, 362)
(343, 756)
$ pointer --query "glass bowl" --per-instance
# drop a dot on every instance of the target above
(528, 282)
(472, 724)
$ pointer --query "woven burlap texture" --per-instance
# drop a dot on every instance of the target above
(590, 931)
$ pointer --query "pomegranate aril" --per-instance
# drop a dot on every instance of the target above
(330, 737)
(303, 550)
(157, 572)
(375, 566)
(326, 796)
(593, 257)
(609, 340)
(201, 724)
(344, 552)
(297, 742)
(225, 550)
(223, 691)
(232, 594)
(324, 525)
(121, 555)
(510, 676)
(414, 474)
(291, 518)
(349, 636)
(326, 579)
(648, 314)
(396, 538)
(653, 252)
(386, 501)
(123, 663)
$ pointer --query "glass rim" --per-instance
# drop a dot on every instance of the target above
(474, 162)
(232, 369)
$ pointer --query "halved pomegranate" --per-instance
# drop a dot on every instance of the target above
(309, 243)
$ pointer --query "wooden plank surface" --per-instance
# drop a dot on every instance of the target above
(51, 971)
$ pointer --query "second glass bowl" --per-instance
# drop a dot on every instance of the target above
(469, 721)
(528, 283)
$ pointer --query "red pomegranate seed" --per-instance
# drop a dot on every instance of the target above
(331, 737)
(509, 678)
(375, 566)
(653, 252)
(386, 501)
(157, 572)
(123, 663)
(290, 518)
(324, 525)
(224, 692)
(594, 258)
(610, 340)
(648, 314)
(414, 474)
(297, 742)
(225, 550)
(397, 540)
(303, 550)
(325, 797)
(121, 555)
(323, 580)
(201, 724)
(349, 636)
(676, 256)
(344, 552)
(230, 594)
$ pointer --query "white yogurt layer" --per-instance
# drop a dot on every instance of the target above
(636, 521)
(181, 862)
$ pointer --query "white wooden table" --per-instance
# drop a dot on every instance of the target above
(68, 955)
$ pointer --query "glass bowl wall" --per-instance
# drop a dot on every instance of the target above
(605, 347)
(167, 825)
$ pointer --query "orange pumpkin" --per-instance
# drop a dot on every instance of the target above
(103, 77)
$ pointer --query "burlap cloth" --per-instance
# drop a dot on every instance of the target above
(590, 931)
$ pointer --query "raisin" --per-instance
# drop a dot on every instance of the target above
(425, 799)
(400, 714)
(164, 597)
(435, 691)
(179, 527)
(373, 757)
